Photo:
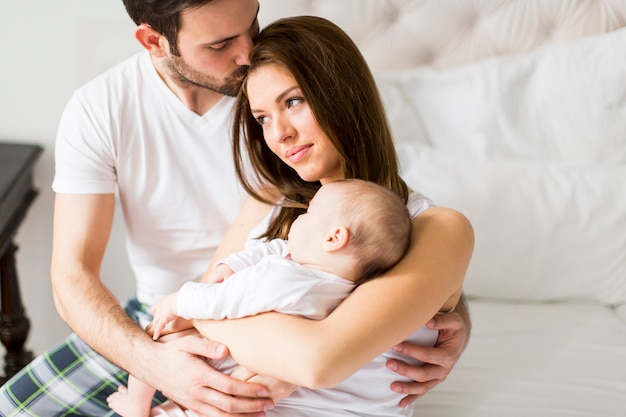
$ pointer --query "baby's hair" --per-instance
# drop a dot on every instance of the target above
(379, 224)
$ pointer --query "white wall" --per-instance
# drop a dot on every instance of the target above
(48, 51)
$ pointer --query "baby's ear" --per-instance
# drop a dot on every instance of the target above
(337, 239)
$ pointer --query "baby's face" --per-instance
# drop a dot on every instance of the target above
(309, 231)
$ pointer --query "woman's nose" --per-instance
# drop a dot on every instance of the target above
(282, 130)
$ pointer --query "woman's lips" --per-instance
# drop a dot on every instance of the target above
(295, 154)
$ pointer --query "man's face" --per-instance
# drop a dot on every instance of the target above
(214, 42)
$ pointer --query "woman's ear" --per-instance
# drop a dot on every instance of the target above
(151, 40)
(337, 239)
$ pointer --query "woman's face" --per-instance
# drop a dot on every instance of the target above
(289, 127)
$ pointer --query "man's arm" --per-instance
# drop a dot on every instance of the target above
(454, 332)
(82, 226)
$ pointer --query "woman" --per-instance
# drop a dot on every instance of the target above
(311, 114)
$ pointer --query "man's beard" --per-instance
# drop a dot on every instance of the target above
(183, 73)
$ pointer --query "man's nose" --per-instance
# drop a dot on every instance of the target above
(243, 53)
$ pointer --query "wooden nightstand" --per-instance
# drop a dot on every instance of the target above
(16, 195)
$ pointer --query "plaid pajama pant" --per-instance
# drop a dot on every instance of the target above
(71, 379)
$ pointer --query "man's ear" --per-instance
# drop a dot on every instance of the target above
(151, 40)
(337, 239)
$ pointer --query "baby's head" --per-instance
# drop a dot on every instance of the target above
(359, 220)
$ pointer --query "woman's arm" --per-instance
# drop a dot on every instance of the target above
(376, 316)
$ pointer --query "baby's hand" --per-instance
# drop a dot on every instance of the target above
(164, 312)
(219, 274)
(277, 389)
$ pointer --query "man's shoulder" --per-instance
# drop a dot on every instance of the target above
(120, 76)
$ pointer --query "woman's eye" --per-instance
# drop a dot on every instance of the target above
(294, 101)
(262, 120)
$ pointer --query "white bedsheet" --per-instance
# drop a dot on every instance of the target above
(522, 354)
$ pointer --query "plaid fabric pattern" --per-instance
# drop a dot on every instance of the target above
(69, 380)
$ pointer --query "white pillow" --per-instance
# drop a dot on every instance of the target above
(532, 148)
(545, 231)
(565, 101)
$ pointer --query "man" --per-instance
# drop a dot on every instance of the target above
(156, 130)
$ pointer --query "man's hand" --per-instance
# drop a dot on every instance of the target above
(199, 387)
(438, 361)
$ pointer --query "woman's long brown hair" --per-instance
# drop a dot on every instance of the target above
(339, 88)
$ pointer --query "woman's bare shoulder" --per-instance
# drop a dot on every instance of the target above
(447, 219)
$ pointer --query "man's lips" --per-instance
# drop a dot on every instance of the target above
(296, 153)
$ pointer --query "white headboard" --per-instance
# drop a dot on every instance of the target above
(397, 34)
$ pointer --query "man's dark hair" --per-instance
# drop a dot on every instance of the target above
(162, 15)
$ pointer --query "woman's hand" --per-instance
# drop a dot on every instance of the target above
(454, 329)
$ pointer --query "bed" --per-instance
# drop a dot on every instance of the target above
(514, 112)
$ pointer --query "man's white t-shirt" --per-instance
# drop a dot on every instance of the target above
(126, 132)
